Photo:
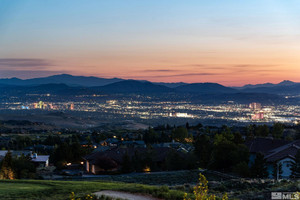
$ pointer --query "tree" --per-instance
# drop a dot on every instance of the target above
(150, 136)
(180, 134)
(226, 154)
(238, 139)
(66, 152)
(203, 149)
(126, 164)
(164, 137)
(250, 130)
(262, 130)
(23, 167)
(296, 166)
(6, 171)
(187, 125)
(277, 130)
(259, 168)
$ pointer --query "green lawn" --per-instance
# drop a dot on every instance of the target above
(45, 189)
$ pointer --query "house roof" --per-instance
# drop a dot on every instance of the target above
(274, 150)
(40, 158)
(264, 145)
(289, 151)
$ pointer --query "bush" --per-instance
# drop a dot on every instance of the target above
(163, 188)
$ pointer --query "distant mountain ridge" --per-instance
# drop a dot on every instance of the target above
(205, 88)
(76, 84)
(133, 86)
(87, 81)
(283, 83)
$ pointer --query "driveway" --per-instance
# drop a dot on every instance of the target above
(124, 195)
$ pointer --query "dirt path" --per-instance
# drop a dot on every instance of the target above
(124, 195)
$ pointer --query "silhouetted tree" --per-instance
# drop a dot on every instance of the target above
(180, 134)
(126, 164)
(6, 171)
(259, 168)
(203, 149)
(277, 130)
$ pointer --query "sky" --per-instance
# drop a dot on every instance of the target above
(229, 42)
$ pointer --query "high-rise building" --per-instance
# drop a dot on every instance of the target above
(258, 116)
(255, 106)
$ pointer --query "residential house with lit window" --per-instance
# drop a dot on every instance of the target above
(275, 151)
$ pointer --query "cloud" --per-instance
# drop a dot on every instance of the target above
(195, 74)
(28, 73)
(175, 75)
(204, 66)
(160, 70)
(253, 66)
(27, 67)
(21, 63)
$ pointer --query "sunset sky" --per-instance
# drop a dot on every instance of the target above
(230, 42)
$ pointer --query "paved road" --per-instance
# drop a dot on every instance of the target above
(124, 195)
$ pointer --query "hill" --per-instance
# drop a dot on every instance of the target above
(283, 83)
(133, 86)
(205, 88)
(280, 89)
(62, 78)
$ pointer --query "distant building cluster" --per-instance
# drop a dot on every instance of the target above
(49, 106)
(258, 114)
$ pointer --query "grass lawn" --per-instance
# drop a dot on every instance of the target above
(45, 189)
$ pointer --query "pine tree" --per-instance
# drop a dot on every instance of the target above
(6, 171)
(259, 168)
(277, 131)
(203, 149)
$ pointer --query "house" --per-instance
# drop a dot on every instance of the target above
(113, 142)
(276, 152)
(38, 160)
(176, 146)
(137, 143)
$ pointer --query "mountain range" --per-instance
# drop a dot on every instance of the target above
(68, 84)
(87, 81)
